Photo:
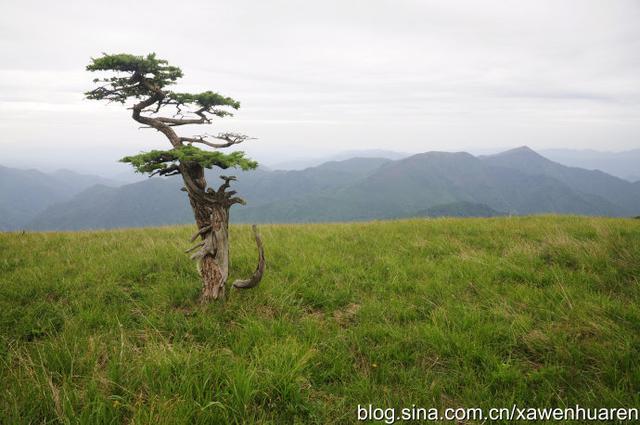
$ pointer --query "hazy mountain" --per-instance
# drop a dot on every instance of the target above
(302, 163)
(518, 181)
(593, 182)
(25, 193)
(401, 188)
(625, 165)
(159, 201)
(263, 186)
(154, 202)
(127, 176)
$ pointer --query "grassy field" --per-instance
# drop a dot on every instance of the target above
(105, 327)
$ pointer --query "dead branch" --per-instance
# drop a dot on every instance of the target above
(202, 231)
(229, 138)
(255, 279)
(194, 247)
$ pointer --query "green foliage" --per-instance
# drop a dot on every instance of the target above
(146, 66)
(145, 74)
(105, 327)
(157, 160)
(142, 73)
(146, 77)
(206, 99)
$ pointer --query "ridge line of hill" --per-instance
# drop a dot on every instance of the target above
(518, 181)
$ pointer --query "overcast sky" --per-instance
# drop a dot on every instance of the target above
(318, 77)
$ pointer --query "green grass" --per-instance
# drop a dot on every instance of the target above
(105, 327)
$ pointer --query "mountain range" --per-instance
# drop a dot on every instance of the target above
(302, 163)
(518, 182)
(26, 193)
(625, 165)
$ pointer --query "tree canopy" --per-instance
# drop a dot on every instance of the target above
(144, 79)
(165, 162)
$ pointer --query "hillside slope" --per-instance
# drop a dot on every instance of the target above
(625, 165)
(404, 188)
(159, 201)
(517, 182)
(460, 209)
(154, 202)
(26, 193)
(104, 327)
(592, 182)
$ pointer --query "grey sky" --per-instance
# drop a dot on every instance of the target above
(325, 76)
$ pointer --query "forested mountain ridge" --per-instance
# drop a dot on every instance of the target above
(25, 193)
(517, 182)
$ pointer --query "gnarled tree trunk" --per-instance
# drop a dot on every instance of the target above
(214, 265)
(211, 211)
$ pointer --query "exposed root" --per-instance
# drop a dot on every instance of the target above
(255, 279)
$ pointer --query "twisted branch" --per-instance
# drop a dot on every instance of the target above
(230, 139)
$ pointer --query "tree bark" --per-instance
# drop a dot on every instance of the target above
(211, 214)
(214, 265)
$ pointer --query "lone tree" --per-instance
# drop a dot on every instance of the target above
(144, 80)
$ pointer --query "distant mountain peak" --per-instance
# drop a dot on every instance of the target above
(522, 154)
(440, 155)
(522, 150)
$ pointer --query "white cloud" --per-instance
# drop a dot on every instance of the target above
(333, 75)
